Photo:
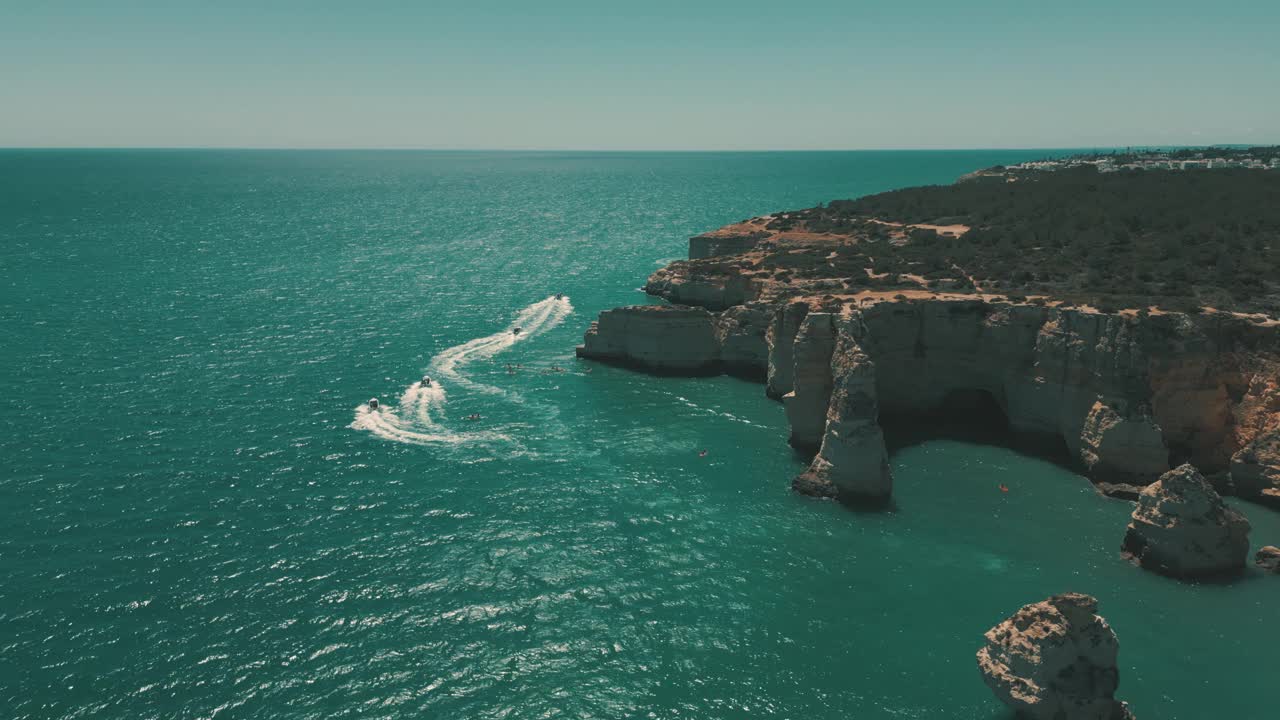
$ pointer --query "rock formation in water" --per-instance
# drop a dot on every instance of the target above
(1268, 558)
(1128, 393)
(658, 338)
(806, 403)
(1055, 660)
(852, 463)
(1181, 527)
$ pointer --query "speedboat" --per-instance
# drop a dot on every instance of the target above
(373, 403)
(559, 296)
(426, 381)
(515, 331)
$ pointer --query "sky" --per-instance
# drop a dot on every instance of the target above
(655, 75)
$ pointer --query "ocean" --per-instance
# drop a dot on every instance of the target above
(200, 515)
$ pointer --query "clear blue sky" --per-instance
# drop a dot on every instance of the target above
(687, 74)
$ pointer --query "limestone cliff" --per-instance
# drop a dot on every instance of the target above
(852, 463)
(1129, 393)
(659, 338)
(810, 393)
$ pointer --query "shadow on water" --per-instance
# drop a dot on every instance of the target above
(972, 416)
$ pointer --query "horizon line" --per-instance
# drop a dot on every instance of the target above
(408, 148)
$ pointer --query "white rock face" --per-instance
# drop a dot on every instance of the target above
(1118, 389)
(807, 403)
(852, 463)
(740, 332)
(1129, 447)
(1182, 528)
(661, 338)
(1055, 660)
(781, 339)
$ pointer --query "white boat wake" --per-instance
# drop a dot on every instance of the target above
(417, 419)
(531, 322)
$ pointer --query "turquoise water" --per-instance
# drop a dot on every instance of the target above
(191, 527)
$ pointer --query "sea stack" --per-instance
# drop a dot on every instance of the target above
(1055, 660)
(852, 462)
(1182, 528)
(1268, 558)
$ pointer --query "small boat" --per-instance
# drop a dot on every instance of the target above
(515, 331)
(426, 381)
(559, 296)
(373, 403)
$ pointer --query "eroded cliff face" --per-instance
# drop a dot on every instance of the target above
(658, 338)
(1130, 394)
(852, 463)
(810, 393)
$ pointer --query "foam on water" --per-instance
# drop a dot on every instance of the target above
(413, 422)
(534, 320)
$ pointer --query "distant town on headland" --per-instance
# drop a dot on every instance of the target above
(1206, 158)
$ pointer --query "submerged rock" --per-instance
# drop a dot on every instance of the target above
(1268, 558)
(1119, 491)
(1181, 527)
(1055, 660)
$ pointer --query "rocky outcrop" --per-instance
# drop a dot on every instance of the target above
(1268, 558)
(740, 334)
(1055, 660)
(715, 288)
(806, 404)
(658, 338)
(783, 328)
(852, 463)
(1182, 528)
(1125, 445)
(1255, 469)
(1129, 394)
(724, 242)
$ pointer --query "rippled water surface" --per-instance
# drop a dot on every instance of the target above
(200, 515)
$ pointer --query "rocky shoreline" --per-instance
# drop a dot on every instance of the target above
(1169, 410)
(1130, 394)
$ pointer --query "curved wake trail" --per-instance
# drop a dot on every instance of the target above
(416, 420)
(411, 421)
(534, 320)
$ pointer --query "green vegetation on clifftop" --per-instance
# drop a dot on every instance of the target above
(1175, 239)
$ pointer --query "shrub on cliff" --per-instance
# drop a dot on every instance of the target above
(1212, 234)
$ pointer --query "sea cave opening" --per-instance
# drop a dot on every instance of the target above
(972, 415)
